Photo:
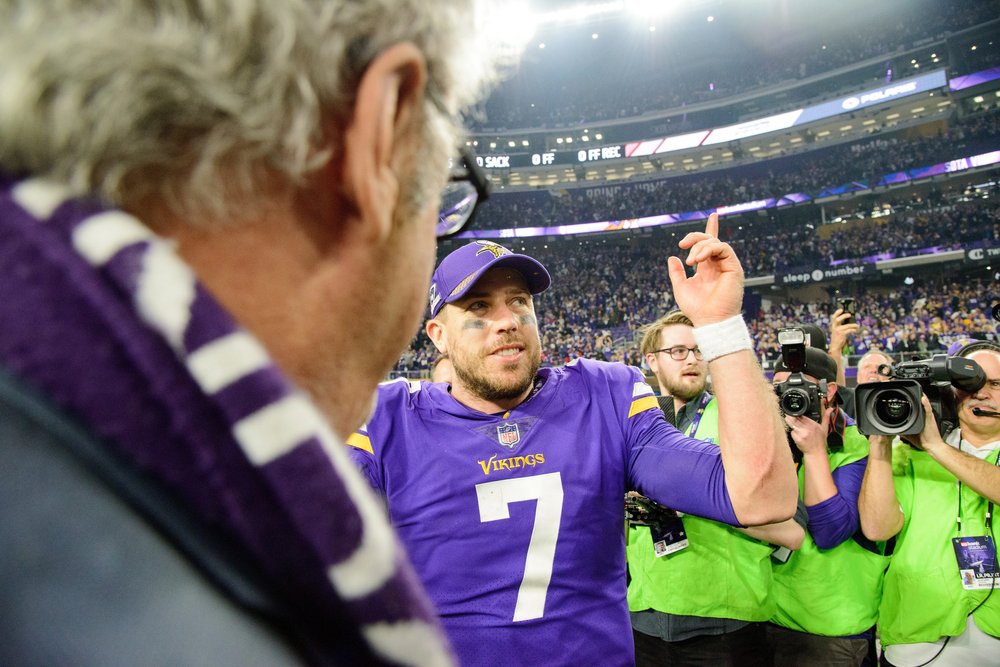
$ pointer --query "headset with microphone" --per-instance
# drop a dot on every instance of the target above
(975, 346)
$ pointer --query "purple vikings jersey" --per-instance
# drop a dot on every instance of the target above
(515, 521)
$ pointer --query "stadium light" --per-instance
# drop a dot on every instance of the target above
(580, 13)
(647, 8)
(587, 11)
(512, 24)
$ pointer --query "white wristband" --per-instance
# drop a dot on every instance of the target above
(722, 338)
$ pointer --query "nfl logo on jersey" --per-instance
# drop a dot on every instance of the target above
(508, 435)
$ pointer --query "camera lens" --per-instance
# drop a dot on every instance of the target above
(893, 408)
(794, 402)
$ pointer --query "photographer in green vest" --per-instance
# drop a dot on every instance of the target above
(699, 590)
(827, 593)
(937, 497)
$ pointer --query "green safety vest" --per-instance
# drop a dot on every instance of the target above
(833, 592)
(924, 599)
(723, 573)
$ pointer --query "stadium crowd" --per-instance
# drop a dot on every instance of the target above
(529, 99)
(910, 321)
(911, 229)
(811, 173)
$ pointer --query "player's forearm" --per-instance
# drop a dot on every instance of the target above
(760, 474)
(878, 507)
(784, 534)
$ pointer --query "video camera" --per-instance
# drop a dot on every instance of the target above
(798, 395)
(894, 408)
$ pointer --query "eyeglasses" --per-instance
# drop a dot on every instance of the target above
(680, 353)
(467, 188)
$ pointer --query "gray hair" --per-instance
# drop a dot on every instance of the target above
(876, 353)
(192, 102)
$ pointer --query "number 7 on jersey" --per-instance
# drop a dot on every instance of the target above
(494, 498)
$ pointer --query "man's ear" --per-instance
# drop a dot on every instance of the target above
(831, 391)
(389, 96)
(439, 336)
(651, 360)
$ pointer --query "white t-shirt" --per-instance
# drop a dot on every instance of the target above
(967, 447)
(971, 648)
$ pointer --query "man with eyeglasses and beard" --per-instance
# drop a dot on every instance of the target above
(676, 617)
(507, 486)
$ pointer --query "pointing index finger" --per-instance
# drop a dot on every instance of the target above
(712, 227)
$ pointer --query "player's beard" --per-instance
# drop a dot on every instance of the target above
(681, 389)
(475, 378)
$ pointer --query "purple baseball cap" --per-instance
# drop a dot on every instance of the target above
(954, 348)
(460, 270)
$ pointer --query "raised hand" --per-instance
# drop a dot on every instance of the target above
(840, 331)
(715, 292)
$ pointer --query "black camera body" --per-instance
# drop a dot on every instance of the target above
(798, 395)
(894, 407)
(643, 511)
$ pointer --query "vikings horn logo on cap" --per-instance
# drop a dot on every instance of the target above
(460, 270)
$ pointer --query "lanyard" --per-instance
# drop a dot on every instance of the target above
(989, 512)
(706, 398)
(989, 503)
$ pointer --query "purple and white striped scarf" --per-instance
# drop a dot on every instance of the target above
(105, 318)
